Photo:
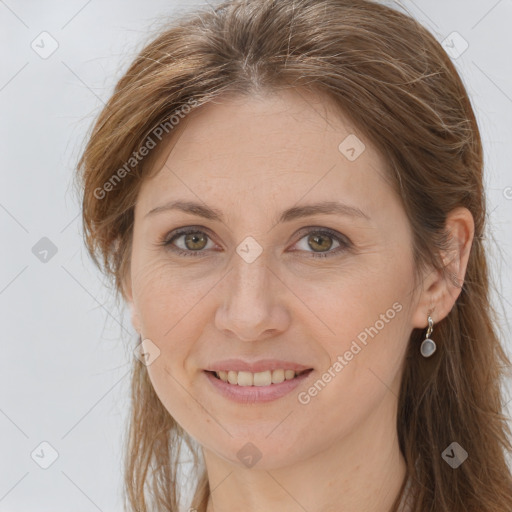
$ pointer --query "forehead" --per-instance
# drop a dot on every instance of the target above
(279, 147)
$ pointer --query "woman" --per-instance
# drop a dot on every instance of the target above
(288, 195)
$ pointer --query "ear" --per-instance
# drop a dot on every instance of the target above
(128, 295)
(439, 293)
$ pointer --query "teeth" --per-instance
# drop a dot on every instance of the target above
(256, 379)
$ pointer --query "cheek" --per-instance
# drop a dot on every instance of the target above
(170, 321)
(365, 315)
(168, 306)
(164, 294)
(364, 361)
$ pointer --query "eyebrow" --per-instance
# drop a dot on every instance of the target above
(293, 213)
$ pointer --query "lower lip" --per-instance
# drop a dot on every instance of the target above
(255, 394)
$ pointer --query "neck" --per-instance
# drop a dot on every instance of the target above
(362, 470)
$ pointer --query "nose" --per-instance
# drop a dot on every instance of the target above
(252, 305)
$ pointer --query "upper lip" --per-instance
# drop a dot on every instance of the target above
(239, 365)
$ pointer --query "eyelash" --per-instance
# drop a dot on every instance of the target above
(344, 242)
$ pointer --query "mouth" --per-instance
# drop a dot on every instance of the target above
(255, 388)
(258, 379)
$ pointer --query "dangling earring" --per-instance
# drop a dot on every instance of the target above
(428, 345)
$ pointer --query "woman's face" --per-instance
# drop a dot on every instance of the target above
(263, 277)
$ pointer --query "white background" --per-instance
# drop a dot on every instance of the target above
(64, 360)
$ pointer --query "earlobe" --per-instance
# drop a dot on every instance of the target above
(429, 300)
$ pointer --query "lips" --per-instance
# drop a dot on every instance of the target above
(247, 394)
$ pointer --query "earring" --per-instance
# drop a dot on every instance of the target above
(428, 345)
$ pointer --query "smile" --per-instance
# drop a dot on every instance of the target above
(247, 387)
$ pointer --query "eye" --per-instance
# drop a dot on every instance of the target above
(192, 241)
(318, 240)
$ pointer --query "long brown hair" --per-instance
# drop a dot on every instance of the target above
(392, 78)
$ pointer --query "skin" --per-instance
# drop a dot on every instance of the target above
(339, 451)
